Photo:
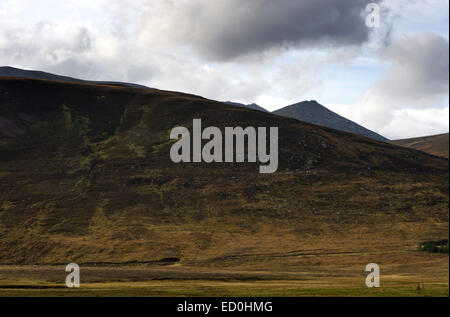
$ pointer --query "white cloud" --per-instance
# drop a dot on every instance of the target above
(419, 73)
(408, 123)
(412, 96)
(400, 123)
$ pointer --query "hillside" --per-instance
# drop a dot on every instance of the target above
(85, 176)
(434, 144)
(313, 112)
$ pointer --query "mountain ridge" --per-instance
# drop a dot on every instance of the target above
(324, 117)
(8, 71)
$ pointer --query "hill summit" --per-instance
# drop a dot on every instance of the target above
(8, 71)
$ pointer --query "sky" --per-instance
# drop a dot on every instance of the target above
(392, 79)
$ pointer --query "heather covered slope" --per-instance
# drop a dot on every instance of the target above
(313, 112)
(434, 144)
(85, 176)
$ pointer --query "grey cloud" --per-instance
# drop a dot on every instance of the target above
(419, 71)
(44, 40)
(226, 29)
(83, 40)
(417, 81)
(68, 49)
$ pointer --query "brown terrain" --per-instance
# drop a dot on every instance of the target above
(86, 177)
(434, 144)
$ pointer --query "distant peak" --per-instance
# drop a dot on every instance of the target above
(307, 103)
(310, 101)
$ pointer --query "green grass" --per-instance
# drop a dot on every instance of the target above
(210, 290)
(434, 246)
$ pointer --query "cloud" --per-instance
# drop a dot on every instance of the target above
(87, 52)
(417, 122)
(157, 43)
(227, 29)
(420, 70)
(401, 123)
(73, 50)
(412, 96)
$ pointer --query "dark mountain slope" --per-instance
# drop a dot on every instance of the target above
(313, 112)
(85, 176)
(433, 144)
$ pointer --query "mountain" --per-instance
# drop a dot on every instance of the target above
(435, 144)
(253, 106)
(7, 71)
(313, 112)
(86, 177)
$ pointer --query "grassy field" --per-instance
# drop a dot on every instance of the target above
(408, 273)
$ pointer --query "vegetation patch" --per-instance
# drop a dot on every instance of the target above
(440, 246)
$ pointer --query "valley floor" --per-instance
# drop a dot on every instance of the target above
(405, 273)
